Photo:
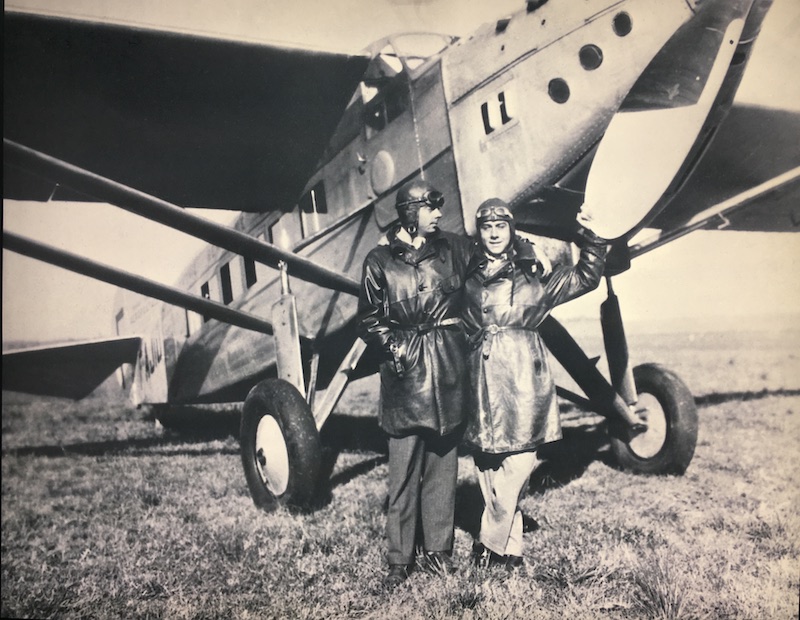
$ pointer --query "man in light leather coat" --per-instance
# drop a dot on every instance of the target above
(410, 304)
(513, 402)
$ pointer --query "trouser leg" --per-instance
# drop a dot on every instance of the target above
(406, 456)
(438, 498)
(503, 481)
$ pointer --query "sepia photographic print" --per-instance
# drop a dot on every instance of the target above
(307, 305)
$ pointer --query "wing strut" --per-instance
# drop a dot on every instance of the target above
(726, 207)
(171, 215)
(132, 282)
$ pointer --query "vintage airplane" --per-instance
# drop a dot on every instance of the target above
(619, 109)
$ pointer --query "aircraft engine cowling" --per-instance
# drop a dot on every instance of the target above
(667, 120)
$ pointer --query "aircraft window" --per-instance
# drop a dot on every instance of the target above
(286, 231)
(383, 110)
(415, 49)
(205, 293)
(193, 322)
(381, 72)
(591, 57)
(558, 90)
(368, 92)
(395, 104)
(237, 276)
(622, 24)
(388, 63)
(376, 119)
(250, 277)
(225, 279)
(314, 201)
(262, 271)
(383, 92)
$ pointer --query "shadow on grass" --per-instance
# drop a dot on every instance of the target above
(718, 398)
(568, 459)
(344, 433)
(126, 447)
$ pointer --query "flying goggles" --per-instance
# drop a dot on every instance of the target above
(433, 198)
(494, 212)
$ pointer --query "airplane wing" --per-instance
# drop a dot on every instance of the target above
(196, 121)
(752, 146)
(71, 370)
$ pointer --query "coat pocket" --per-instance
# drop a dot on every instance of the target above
(451, 284)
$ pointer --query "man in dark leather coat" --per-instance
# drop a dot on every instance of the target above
(410, 301)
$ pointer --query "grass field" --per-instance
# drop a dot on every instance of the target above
(105, 515)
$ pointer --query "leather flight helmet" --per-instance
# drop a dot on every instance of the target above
(412, 196)
(495, 210)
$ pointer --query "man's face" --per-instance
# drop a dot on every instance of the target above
(428, 220)
(495, 236)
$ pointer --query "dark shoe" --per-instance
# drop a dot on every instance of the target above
(397, 574)
(513, 562)
(437, 562)
(484, 557)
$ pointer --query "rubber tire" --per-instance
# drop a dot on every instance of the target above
(680, 417)
(282, 402)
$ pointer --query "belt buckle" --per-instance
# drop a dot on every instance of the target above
(493, 329)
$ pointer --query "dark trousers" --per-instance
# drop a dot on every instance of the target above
(423, 470)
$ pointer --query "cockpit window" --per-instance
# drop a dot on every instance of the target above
(384, 88)
(416, 48)
(381, 71)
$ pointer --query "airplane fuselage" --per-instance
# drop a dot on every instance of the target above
(516, 111)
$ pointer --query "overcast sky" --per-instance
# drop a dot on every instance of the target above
(702, 276)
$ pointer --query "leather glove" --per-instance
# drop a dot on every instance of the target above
(527, 253)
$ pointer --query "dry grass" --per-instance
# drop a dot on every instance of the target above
(106, 516)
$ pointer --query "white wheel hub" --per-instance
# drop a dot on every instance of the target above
(272, 456)
(649, 443)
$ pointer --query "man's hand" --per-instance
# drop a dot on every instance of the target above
(542, 263)
(584, 217)
(398, 355)
(531, 257)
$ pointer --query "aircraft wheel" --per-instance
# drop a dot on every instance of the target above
(280, 446)
(667, 405)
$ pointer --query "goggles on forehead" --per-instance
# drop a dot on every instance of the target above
(494, 211)
(434, 199)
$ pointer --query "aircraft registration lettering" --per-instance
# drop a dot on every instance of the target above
(496, 113)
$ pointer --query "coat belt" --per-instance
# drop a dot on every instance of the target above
(423, 328)
(486, 336)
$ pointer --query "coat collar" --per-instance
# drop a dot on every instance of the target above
(432, 243)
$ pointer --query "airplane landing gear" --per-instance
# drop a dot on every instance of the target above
(652, 417)
(279, 435)
(667, 406)
(280, 446)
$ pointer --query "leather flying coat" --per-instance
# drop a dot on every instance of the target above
(412, 298)
(513, 405)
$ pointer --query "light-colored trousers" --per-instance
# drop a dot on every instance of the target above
(423, 471)
(503, 480)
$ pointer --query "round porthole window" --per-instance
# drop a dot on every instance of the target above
(622, 24)
(591, 57)
(381, 172)
(558, 90)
